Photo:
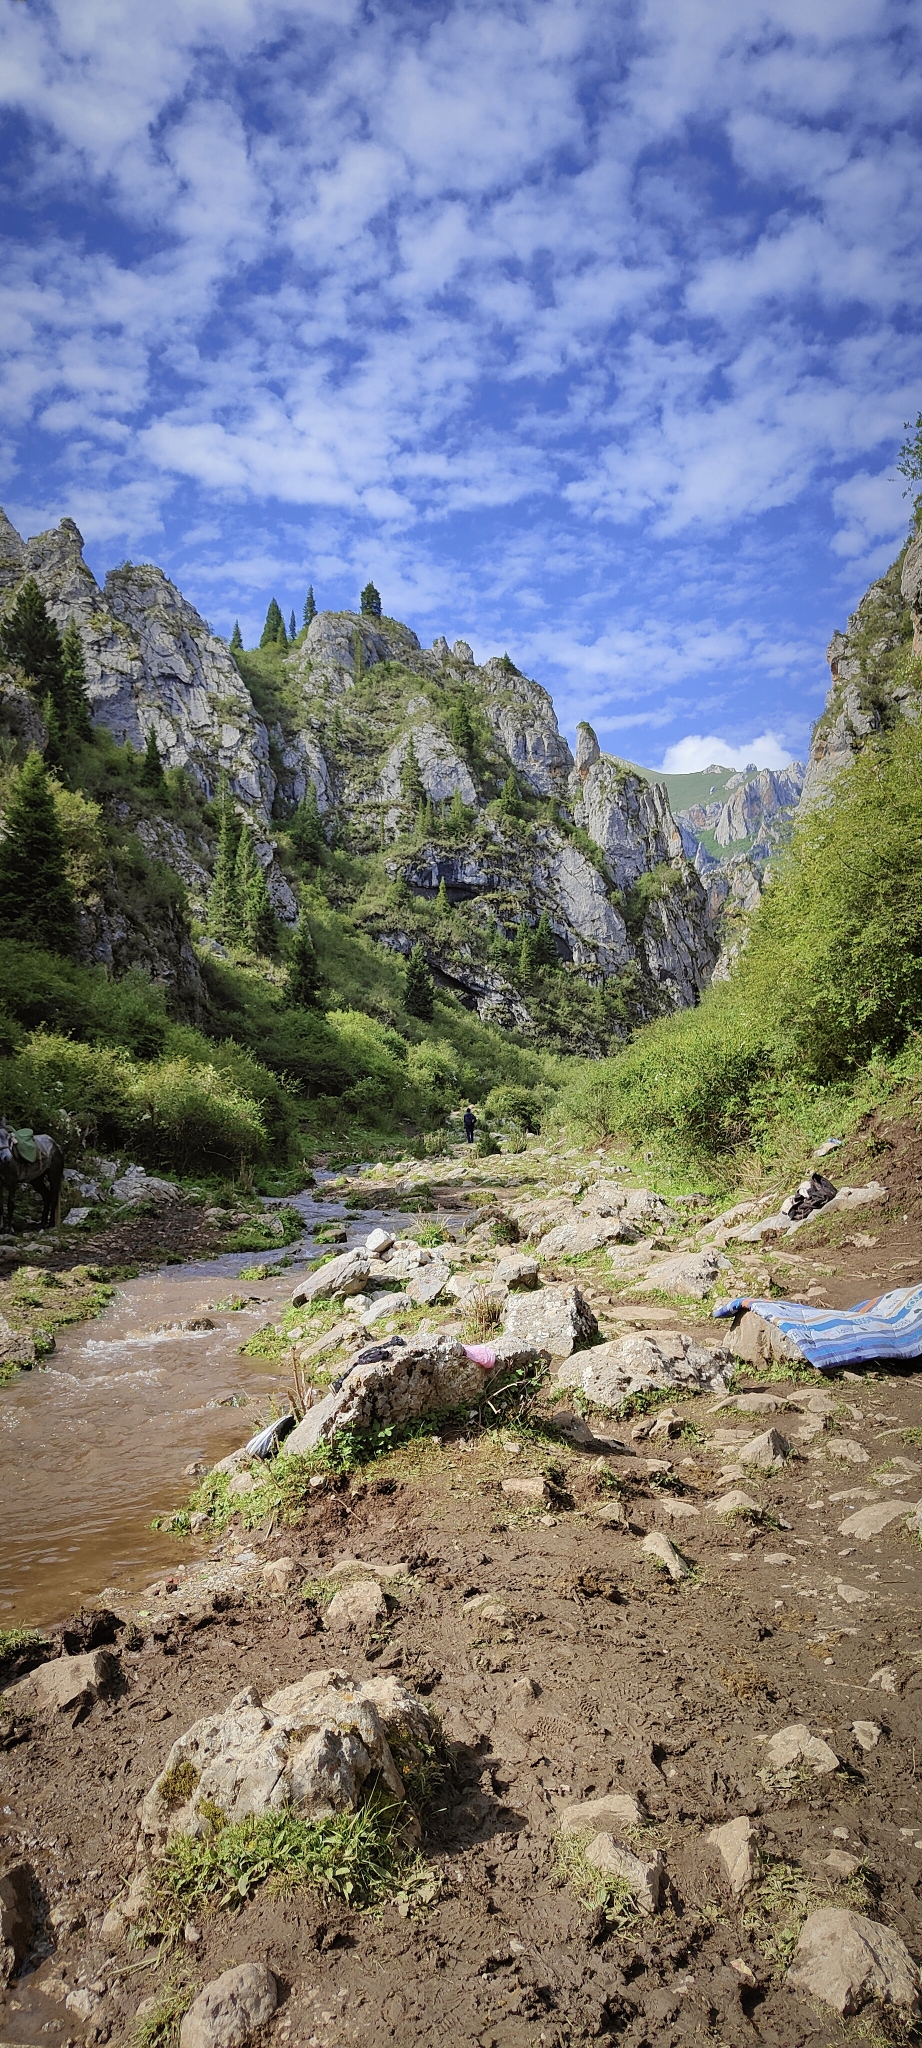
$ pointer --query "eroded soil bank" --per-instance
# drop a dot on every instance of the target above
(563, 1665)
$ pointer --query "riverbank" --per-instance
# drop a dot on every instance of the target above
(565, 1664)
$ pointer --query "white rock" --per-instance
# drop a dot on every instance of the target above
(846, 1448)
(658, 1546)
(134, 1185)
(654, 1358)
(573, 1239)
(796, 1745)
(852, 1595)
(845, 1960)
(646, 1880)
(766, 1451)
(515, 1270)
(230, 2008)
(341, 1276)
(75, 1217)
(279, 1574)
(377, 1242)
(734, 1503)
(383, 1305)
(615, 1810)
(866, 1733)
(555, 1319)
(64, 1686)
(842, 1865)
(314, 1745)
(530, 1487)
(734, 1842)
(360, 1607)
(426, 1285)
(872, 1521)
(692, 1273)
(885, 1678)
(422, 1375)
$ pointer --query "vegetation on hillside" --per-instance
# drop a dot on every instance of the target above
(823, 1012)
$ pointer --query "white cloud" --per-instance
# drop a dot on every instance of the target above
(706, 750)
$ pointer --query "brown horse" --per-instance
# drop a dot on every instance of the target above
(45, 1172)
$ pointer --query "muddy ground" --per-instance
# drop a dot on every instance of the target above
(594, 1672)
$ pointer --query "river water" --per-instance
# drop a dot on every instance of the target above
(95, 1445)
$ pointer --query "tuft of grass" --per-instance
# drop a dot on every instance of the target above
(361, 1858)
(178, 1783)
(597, 1890)
(481, 1317)
(159, 2028)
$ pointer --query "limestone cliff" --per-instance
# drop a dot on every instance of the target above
(873, 670)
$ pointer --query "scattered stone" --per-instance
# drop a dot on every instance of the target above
(846, 1960)
(852, 1595)
(658, 1546)
(871, 1521)
(766, 1451)
(646, 1880)
(313, 1745)
(341, 1276)
(17, 1918)
(230, 2008)
(516, 1271)
(866, 1733)
(842, 1865)
(796, 1745)
(692, 1273)
(885, 1678)
(377, 1242)
(655, 1358)
(382, 1306)
(15, 1347)
(426, 1285)
(734, 1842)
(846, 1448)
(75, 1217)
(555, 1319)
(113, 1926)
(241, 1483)
(735, 1503)
(135, 1185)
(65, 1686)
(360, 1606)
(674, 1509)
(278, 1575)
(615, 1810)
(573, 1239)
(529, 1487)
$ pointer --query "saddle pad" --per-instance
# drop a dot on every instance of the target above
(24, 1142)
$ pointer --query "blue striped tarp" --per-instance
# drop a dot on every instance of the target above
(886, 1326)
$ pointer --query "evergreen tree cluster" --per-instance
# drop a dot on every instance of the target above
(36, 897)
(305, 831)
(54, 664)
(273, 633)
(370, 602)
(419, 992)
(239, 906)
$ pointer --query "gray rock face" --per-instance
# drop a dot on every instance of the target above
(657, 1358)
(411, 1379)
(313, 1745)
(690, 1273)
(911, 590)
(846, 1960)
(866, 690)
(555, 1319)
(230, 2008)
(443, 772)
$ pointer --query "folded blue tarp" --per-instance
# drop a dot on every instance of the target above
(886, 1327)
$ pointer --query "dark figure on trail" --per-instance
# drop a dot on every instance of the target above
(31, 1157)
(470, 1124)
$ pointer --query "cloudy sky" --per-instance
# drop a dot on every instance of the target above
(587, 328)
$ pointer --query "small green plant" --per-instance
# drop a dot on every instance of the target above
(14, 1640)
(178, 1783)
(597, 1890)
(482, 1315)
(431, 1234)
(159, 2027)
(779, 1905)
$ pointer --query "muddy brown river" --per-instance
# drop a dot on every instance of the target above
(97, 1444)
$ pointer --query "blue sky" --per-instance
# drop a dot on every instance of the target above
(587, 328)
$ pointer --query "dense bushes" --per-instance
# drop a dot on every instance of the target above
(175, 1112)
(830, 981)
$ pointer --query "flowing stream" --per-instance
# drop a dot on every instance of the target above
(96, 1444)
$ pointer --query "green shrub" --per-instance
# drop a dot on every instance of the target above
(515, 1106)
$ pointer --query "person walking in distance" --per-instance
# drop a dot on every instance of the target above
(470, 1124)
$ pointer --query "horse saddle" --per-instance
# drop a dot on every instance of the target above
(25, 1144)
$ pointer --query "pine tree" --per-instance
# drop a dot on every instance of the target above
(54, 737)
(304, 980)
(29, 636)
(461, 727)
(36, 899)
(273, 631)
(545, 950)
(257, 917)
(442, 904)
(509, 796)
(76, 703)
(306, 831)
(223, 901)
(152, 769)
(371, 602)
(457, 815)
(310, 609)
(419, 993)
(425, 819)
(413, 789)
(236, 639)
(527, 955)
(292, 627)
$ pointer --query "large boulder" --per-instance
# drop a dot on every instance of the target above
(691, 1273)
(392, 1382)
(651, 1358)
(315, 1745)
(67, 1685)
(344, 1275)
(230, 2008)
(555, 1319)
(584, 1234)
(846, 1960)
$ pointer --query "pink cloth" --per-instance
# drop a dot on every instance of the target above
(480, 1354)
